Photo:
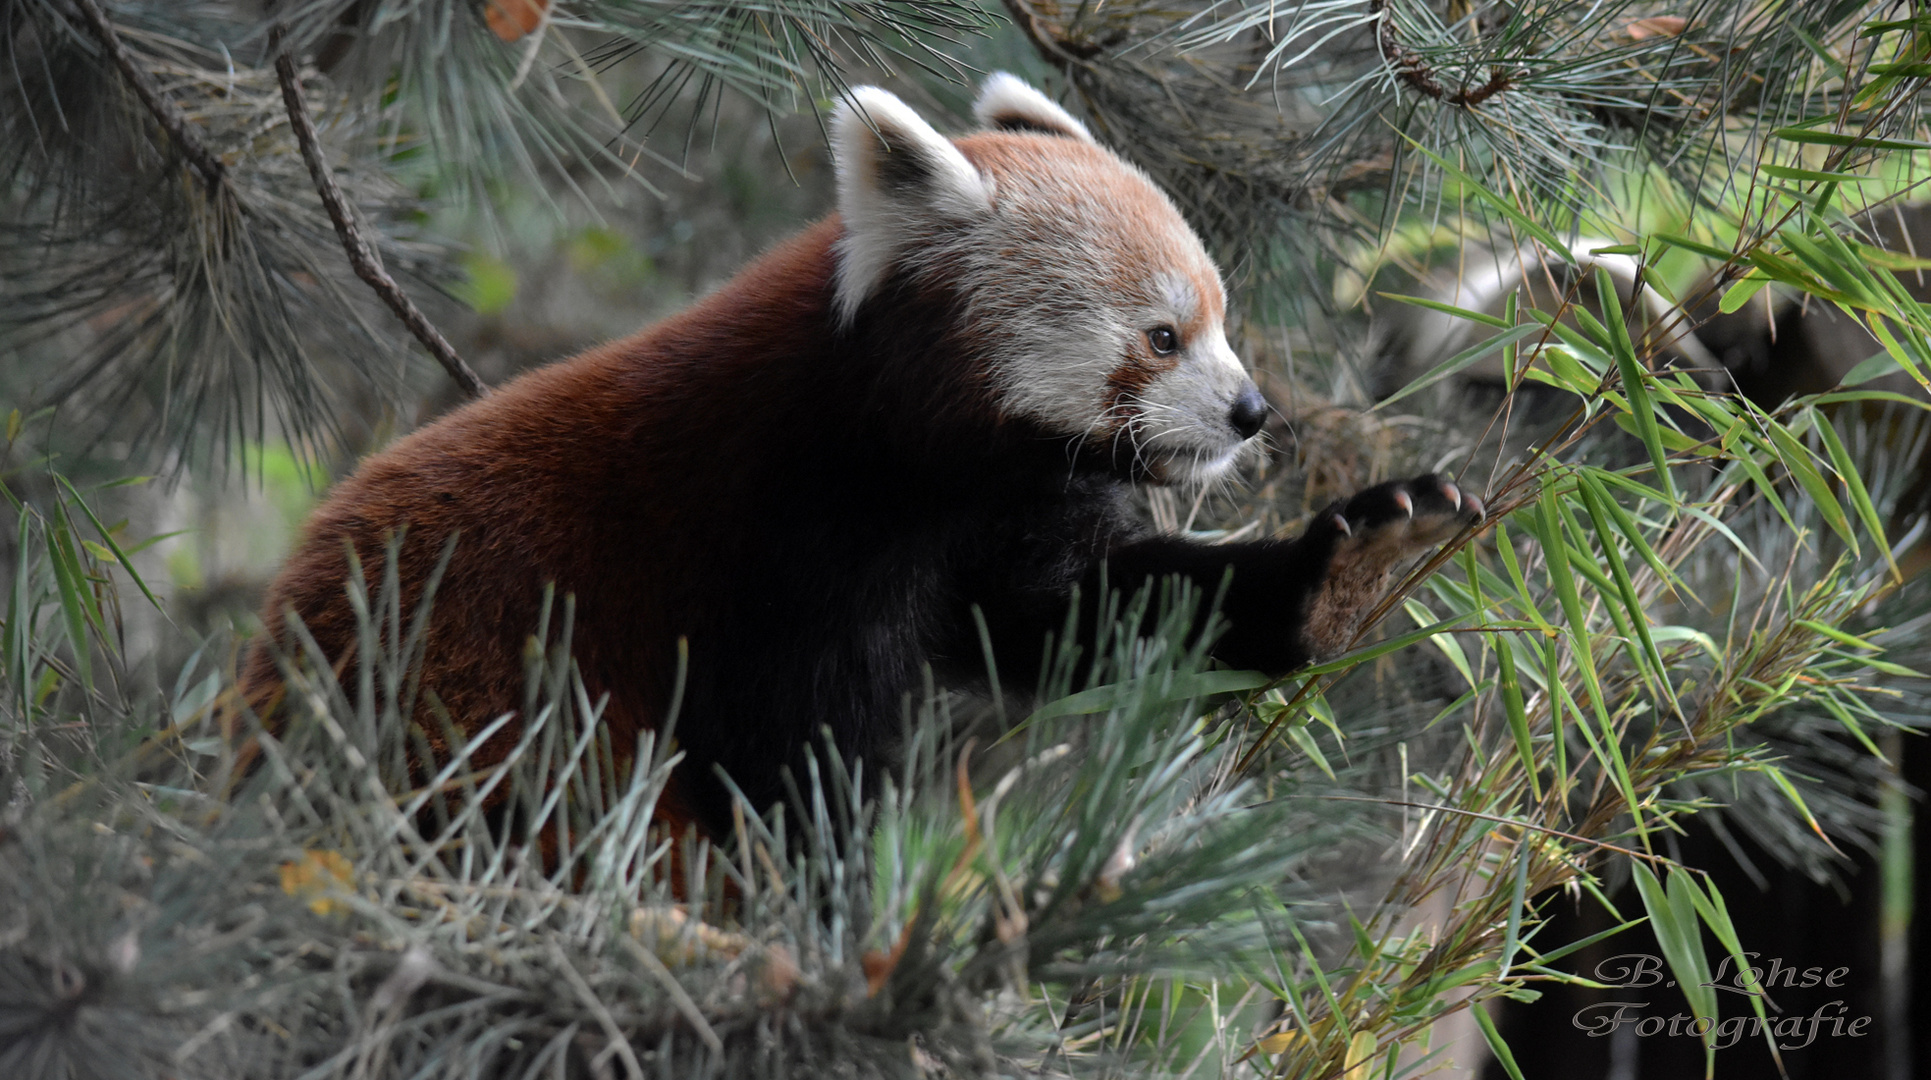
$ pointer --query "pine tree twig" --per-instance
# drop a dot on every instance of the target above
(213, 173)
(1050, 43)
(1414, 70)
(361, 256)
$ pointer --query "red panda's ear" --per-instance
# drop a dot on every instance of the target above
(899, 182)
(1006, 103)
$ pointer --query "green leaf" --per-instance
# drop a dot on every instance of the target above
(74, 598)
(1745, 461)
(1790, 792)
(1797, 459)
(107, 537)
(1849, 723)
(1716, 914)
(1555, 552)
(1101, 699)
(1834, 264)
(1842, 138)
(1740, 294)
(1518, 899)
(1698, 246)
(1509, 377)
(1505, 548)
(1495, 1044)
(1593, 497)
(1626, 525)
(1461, 360)
(1450, 309)
(1866, 370)
(1820, 176)
(1304, 739)
(1672, 915)
(1672, 438)
(1518, 717)
(1571, 375)
(1383, 648)
(1854, 486)
(1502, 206)
(1868, 395)
(1450, 648)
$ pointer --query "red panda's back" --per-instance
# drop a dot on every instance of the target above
(608, 475)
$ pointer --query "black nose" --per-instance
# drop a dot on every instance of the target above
(1248, 413)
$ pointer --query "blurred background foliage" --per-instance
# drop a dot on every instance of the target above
(1613, 264)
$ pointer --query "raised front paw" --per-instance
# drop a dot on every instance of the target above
(1369, 537)
(1404, 516)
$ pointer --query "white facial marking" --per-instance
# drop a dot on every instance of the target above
(1065, 257)
(1181, 297)
(1190, 407)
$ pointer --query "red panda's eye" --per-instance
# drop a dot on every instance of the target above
(1163, 340)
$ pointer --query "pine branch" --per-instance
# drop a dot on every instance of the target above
(213, 173)
(1415, 71)
(361, 256)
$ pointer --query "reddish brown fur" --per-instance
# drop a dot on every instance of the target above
(816, 505)
(590, 474)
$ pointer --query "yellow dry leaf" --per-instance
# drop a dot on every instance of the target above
(1656, 26)
(1277, 1042)
(1361, 1056)
(317, 875)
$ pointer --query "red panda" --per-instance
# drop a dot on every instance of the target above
(940, 397)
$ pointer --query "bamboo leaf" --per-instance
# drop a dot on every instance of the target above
(1784, 172)
(1517, 713)
(1844, 138)
(1495, 1044)
(1672, 915)
(1450, 648)
(1797, 459)
(1450, 309)
(107, 537)
(1655, 671)
(1698, 246)
(73, 606)
(1716, 915)
(1518, 899)
(1459, 361)
(1741, 293)
(1854, 486)
(1502, 206)
(1871, 368)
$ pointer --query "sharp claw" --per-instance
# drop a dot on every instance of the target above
(1454, 493)
(1475, 507)
(1407, 504)
(1342, 524)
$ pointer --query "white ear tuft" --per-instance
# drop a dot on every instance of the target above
(1006, 103)
(898, 181)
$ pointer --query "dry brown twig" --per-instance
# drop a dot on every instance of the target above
(361, 256)
(214, 174)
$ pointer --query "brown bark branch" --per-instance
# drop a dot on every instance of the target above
(1414, 70)
(213, 173)
(361, 256)
(1061, 53)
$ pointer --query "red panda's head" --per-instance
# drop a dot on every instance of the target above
(1097, 311)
